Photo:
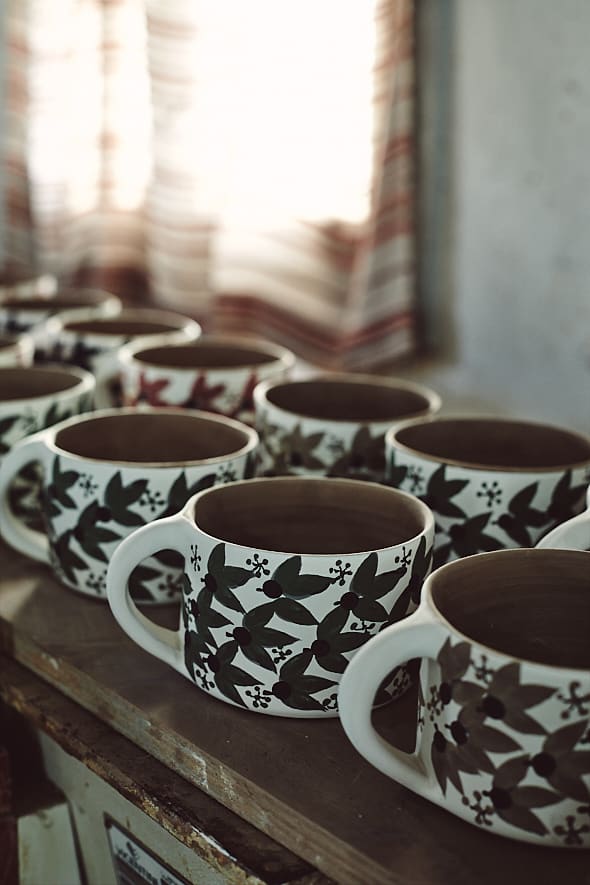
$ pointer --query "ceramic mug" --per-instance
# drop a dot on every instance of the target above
(503, 718)
(284, 578)
(217, 373)
(333, 424)
(490, 482)
(32, 398)
(16, 350)
(23, 283)
(107, 473)
(30, 314)
(95, 344)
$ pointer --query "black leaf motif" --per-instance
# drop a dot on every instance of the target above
(119, 498)
(60, 483)
(221, 579)
(439, 492)
(90, 535)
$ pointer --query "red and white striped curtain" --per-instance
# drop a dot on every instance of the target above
(248, 162)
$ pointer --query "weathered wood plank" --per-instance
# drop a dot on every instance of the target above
(226, 842)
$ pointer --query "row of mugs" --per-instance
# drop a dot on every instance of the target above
(295, 591)
(491, 483)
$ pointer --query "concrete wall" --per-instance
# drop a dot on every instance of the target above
(505, 283)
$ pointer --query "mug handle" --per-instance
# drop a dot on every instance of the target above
(170, 533)
(26, 540)
(417, 636)
(574, 534)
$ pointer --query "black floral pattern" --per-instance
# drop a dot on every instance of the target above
(302, 654)
(484, 724)
(478, 512)
(86, 516)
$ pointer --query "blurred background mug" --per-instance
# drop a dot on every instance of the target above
(94, 344)
(105, 474)
(285, 578)
(490, 482)
(503, 719)
(217, 373)
(16, 349)
(333, 424)
(30, 314)
(22, 282)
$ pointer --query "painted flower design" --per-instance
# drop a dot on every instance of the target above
(365, 458)
(513, 802)
(506, 699)
(562, 766)
(296, 450)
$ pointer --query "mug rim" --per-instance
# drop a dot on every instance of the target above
(428, 603)
(392, 442)
(50, 435)
(390, 382)
(188, 512)
(178, 322)
(276, 352)
(86, 381)
(69, 298)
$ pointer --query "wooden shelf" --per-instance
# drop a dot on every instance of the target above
(298, 781)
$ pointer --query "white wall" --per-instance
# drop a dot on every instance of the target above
(506, 205)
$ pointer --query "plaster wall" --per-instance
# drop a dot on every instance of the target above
(505, 214)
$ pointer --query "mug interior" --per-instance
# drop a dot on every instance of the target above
(32, 381)
(123, 327)
(206, 355)
(495, 443)
(322, 516)
(530, 604)
(346, 400)
(152, 438)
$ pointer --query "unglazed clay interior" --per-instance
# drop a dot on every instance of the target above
(342, 400)
(205, 355)
(158, 438)
(495, 443)
(531, 604)
(309, 515)
(18, 383)
(121, 327)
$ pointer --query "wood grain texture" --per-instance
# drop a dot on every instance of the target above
(242, 853)
(299, 781)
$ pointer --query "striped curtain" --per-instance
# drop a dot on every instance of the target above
(247, 162)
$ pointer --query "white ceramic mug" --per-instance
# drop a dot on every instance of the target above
(491, 482)
(284, 578)
(217, 373)
(503, 709)
(95, 344)
(333, 424)
(21, 282)
(32, 313)
(108, 472)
